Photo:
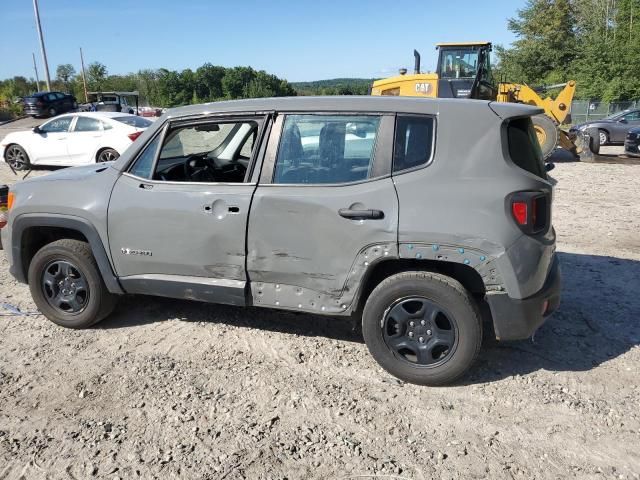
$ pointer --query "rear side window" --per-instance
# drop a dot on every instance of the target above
(134, 121)
(524, 148)
(413, 142)
(321, 149)
(87, 124)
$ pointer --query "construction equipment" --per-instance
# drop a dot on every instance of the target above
(464, 71)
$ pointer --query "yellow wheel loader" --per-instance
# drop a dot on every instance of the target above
(464, 71)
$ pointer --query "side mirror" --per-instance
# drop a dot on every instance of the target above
(36, 129)
(549, 166)
(623, 120)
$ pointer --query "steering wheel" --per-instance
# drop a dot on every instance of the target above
(195, 166)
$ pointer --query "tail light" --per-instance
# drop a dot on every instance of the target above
(6, 202)
(531, 211)
(133, 136)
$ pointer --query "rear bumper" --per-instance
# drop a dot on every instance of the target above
(515, 319)
(33, 110)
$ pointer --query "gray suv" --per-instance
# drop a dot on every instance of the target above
(409, 213)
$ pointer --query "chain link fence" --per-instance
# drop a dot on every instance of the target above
(585, 110)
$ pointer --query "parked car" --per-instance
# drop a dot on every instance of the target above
(632, 142)
(73, 139)
(373, 207)
(612, 129)
(49, 104)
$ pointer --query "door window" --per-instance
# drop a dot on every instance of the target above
(413, 142)
(633, 116)
(51, 97)
(321, 149)
(60, 124)
(87, 124)
(209, 152)
(59, 96)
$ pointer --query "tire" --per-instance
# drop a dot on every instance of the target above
(107, 155)
(52, 112)
(547, 133)
(603, 137)
(69, 264)
(17, 157)
(452, 317)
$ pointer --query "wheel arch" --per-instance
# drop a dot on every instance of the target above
(466, 275)
(31, 232)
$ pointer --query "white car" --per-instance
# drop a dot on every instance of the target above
(73, 139)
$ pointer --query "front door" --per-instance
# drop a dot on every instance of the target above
(325, 210)
(178, 216)
(49, 145)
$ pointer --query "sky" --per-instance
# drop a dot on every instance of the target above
(297, 40)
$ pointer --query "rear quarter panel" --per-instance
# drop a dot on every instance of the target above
(455, 208)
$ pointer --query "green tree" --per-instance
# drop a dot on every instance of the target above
(96, 75)
(64, 73)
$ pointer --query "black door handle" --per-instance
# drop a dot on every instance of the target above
(361, 214)
(146, 186)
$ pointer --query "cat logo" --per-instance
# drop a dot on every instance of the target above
(423, 88)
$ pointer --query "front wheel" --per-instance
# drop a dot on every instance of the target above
(107, 155)
(422, 327)
(17, 157)
(66, 284)
(603, 137)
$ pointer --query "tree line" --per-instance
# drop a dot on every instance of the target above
(595, 42)
(160, 87)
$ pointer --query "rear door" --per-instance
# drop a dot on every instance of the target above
(324, 210)
(83, 140)
(178, 216)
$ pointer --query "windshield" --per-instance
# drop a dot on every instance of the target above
(459, 63)
(134, 121)
(615, 116)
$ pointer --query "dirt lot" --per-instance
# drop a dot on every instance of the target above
(172, 389)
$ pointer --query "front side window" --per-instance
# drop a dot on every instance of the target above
(87, 124)
(321, 149)
(208, 152)
(633, 116)
(413, 142)
(57, 125)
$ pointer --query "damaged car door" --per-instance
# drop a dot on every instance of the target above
(324, 211)
(178, 215)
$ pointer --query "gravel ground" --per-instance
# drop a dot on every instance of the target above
(173, 389)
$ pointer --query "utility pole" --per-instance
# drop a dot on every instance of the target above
(44, 52)
(35, 67)
(84, 78)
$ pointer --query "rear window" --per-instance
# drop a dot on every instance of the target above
(524, 148)
(134, 121)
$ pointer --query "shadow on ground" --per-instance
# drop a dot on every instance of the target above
(598, 319)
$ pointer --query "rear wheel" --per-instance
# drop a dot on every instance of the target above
(52, 112)
(422, 327)
(107, 155)
(17, 157)
(547, 133)
(66, 285)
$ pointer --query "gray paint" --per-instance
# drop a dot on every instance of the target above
(287, 247)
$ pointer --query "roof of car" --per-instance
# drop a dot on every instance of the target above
(345, 103)
(104, 114)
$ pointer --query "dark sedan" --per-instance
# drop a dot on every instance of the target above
(49, 104)
(632, 142)
(614, 128)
